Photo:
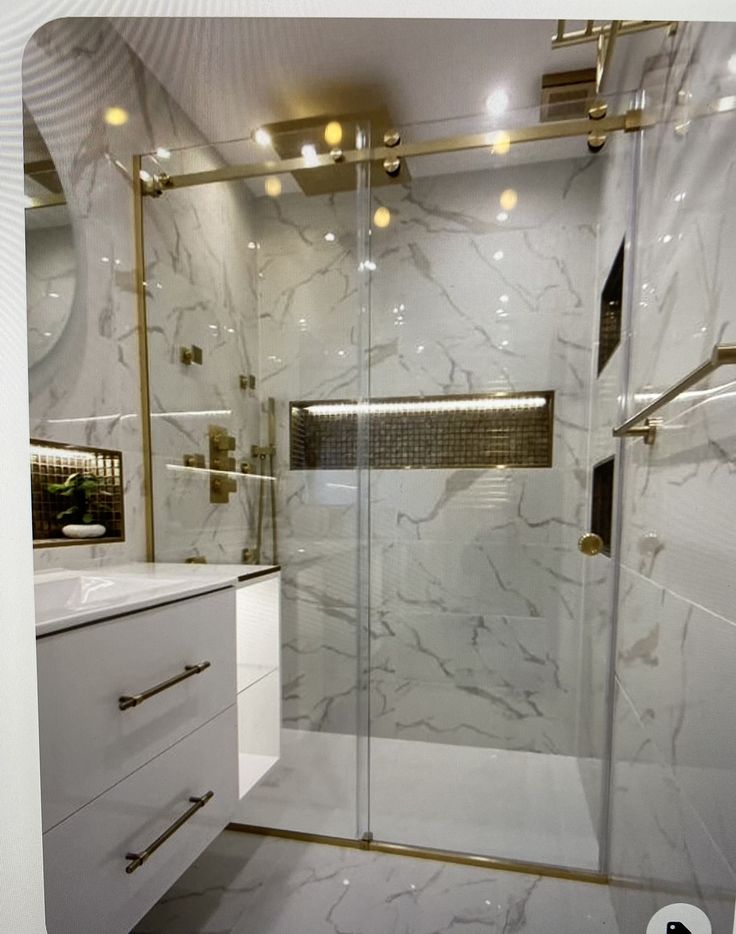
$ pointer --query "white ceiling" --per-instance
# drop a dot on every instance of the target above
(232, 75)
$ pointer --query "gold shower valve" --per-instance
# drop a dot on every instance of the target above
(223, 441)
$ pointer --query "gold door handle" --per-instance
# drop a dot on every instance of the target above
(133, 700)
(140, 858)
(590, 544)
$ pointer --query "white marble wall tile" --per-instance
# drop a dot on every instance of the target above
(673, 741)
(663, 846)
(673, 662)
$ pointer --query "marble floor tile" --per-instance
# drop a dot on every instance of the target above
(247, 884)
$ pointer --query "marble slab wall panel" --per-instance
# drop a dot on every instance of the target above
(663, 852)
(87, 391)
(201, 285)
(676, 621)
(460, 302)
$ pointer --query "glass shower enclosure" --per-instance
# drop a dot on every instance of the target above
(408, 367)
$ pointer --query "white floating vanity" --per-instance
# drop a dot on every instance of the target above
(159, 709)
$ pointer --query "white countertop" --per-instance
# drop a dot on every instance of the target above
(67, 598)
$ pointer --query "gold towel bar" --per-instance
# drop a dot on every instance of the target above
(722, 355)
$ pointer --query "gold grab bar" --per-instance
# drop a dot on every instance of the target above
(722, 355)
(140, 858)
(133, 700)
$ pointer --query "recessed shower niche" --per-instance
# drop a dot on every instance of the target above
(54, 470)
(453, 432)
(609, 333)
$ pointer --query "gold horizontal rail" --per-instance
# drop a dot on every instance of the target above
(421, 852)
(722, 355)
(591, 32)
(629, 121)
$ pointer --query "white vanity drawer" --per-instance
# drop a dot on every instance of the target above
(88, 890)
(87, 742)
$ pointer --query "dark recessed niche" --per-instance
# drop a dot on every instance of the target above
(53, 462)
(609, 333)
(424, 432)
(602, 507)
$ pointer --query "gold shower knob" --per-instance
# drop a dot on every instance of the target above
(590, 544)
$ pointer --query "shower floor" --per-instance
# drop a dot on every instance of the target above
(517, 805)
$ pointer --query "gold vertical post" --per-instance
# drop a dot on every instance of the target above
(140, 291)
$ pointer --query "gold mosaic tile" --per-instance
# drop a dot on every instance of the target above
(53, 463)
(425, 432)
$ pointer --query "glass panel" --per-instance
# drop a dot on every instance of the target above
(485, 281)
(254, 301)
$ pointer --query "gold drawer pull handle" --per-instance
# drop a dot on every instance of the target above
(140, 858)
(133, 700)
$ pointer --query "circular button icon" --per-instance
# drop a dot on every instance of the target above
(679, 919)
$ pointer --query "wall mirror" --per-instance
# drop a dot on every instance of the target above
(51, 261)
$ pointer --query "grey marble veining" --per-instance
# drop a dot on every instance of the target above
(245, 884)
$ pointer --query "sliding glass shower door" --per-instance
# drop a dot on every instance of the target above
(484, 332)
(420, 369)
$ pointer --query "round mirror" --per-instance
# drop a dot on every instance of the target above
(51, 277)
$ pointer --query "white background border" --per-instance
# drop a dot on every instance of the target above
(21, 888)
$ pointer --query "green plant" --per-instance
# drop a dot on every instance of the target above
(79, 487)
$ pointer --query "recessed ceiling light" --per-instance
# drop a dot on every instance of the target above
(497, 102)
(498, 254)
(509, 199)
(116, 116)
(500, 143)
(382, 217)
(163, 153)
(273, 186)
(333, 133)
(262, 137)
(502, 216)
(330, 237)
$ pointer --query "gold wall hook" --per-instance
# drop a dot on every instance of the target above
(590, 544)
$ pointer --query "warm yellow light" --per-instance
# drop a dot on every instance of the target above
(273, 186)
(509, 199)
(116, 116)
(262, 137)
(382, 217)
(500, 143)
(333, 133)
